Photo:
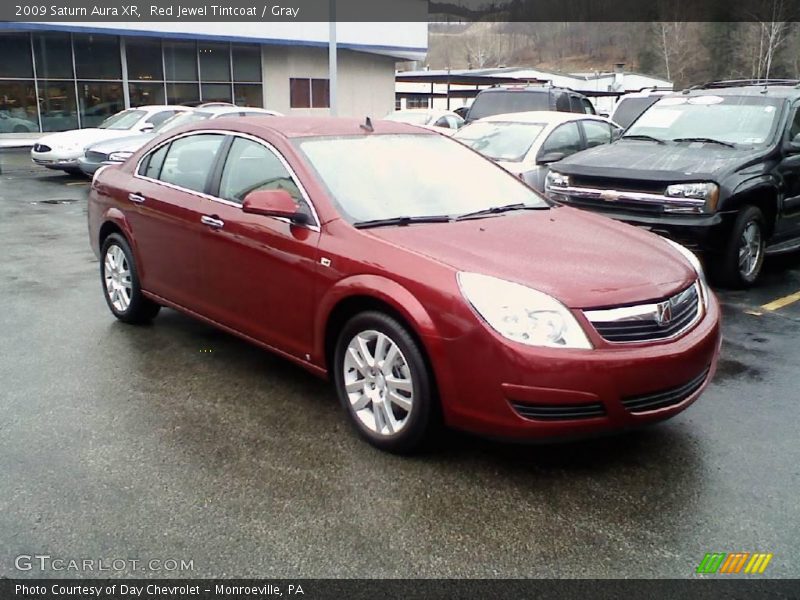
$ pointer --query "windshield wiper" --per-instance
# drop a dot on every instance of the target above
(401, 221)
(642, 136)
(705, 140)
(496, 210)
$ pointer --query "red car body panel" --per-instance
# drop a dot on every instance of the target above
(277, 284)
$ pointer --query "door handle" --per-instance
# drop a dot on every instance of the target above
(138, 198)
(214, 222)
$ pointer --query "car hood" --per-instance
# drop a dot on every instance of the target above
(81, 137)
(129, 143)
(582, 259)
(631, 159)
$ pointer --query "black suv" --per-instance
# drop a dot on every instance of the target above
(522, 98)
(715, 167)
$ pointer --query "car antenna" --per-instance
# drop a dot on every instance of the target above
(367, 125)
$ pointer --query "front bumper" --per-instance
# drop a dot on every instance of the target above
(517, 392)
(90, 167)
(55, 160)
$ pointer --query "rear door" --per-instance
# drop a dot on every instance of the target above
(166, 196)
(259, 271)
(789, 173)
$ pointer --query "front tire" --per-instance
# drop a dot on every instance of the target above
(383, 382)
(120, 280)
(744, 254)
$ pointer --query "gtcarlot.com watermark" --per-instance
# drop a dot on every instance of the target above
(48, 563)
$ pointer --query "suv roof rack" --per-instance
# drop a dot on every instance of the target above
(744, 82)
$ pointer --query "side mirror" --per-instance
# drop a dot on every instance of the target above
(147, 128)
(274, 203)
(549, 157)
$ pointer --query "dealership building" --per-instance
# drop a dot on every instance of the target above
(59, 76)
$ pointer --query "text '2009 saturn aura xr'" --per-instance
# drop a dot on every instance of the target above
(428, 295)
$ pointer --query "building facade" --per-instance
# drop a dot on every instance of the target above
(56, 76)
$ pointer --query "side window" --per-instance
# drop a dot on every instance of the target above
(565, 139)
(794, 129)
(588, 107)
(442, 122)
(151, 166)
(190, 159)
(251, 166)
(158, 118)
(597, 133)
(562, 102)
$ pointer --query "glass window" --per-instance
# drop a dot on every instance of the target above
(18, 107)
(180, 61)
(250, 166)
(300, 93)
(184, 118)
(190, 160)
(417, 102)
(597, 133)
(562, 102)
(215, 62)
(588, 107)
(629, 109)
(248, 95)
(246, 63)
(181, 93)
(496, 102)
(158, 118)
(123, 120)
(144, 59)
(15, 49)
(98, 101)
(97, 57)
(151, 167)
(566, 139)
(216, 92)
(58, 105)
(794, 127)
(53, 54)
(320, 93)
(500, 140)
(146, 93)
(386, 176)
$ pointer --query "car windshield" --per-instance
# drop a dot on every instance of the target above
(123, 120)
(745, 120)
(183, 118)
(500, 140)
(498, 102)
(411, 175)
(409, 116)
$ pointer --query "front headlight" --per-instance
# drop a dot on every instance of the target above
(120, 156)
(522, 314)
(556, 180)
(706, 191)
(695, 262)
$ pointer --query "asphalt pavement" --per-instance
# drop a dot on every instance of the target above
(177, 442)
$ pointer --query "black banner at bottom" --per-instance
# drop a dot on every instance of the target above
(407, 589)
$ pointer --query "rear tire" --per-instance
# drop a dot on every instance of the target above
(383, 382)
(120, 281)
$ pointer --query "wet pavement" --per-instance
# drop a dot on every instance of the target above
(176, 441)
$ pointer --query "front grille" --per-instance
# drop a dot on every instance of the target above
(622, 185)
(96, 157)
(559, 412)
(665, 398)
(648, 322)
(41, 148)
(650, 208)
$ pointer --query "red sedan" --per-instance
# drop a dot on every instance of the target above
(429, 284)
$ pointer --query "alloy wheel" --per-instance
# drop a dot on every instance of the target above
(750, 250)
(117, 276)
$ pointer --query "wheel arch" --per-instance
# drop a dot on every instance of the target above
(763, 195)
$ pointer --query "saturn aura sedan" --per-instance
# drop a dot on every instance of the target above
(427, 295)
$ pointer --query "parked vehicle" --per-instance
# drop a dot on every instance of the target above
(631, 106)
(716, 168)
(443, 121)
(461, 111)
(62, 150)
(526, 144)
(424, 292)
(117, 150)
(12, 124)
(525, 98)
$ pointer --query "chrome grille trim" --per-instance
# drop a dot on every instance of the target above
(640, 323)
(610, 198)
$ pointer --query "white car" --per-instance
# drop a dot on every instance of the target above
(443, 121)
(117, 150)
(62, 150)
(526, 143)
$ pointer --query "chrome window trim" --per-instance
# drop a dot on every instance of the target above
(641, 312)
(315, 226)
(643, 197)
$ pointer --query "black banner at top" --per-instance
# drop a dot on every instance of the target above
(397, 10)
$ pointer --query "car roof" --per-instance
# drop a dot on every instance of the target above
(774, 91)
(218, 111)
(299, 127)
(156, 107)
(431, 111)
(647, 94)
(548, 117)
